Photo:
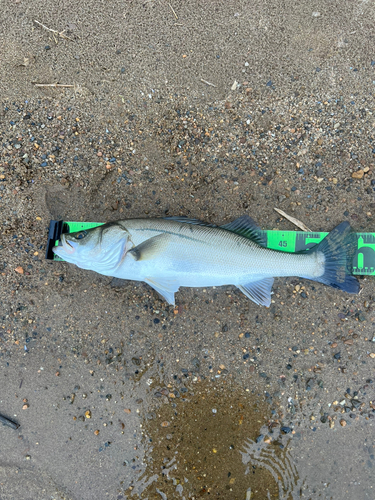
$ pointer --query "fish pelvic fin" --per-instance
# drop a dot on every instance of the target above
(258, 291)
(338, 248)
(165, 287)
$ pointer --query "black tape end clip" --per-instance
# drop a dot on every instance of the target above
(55, 230)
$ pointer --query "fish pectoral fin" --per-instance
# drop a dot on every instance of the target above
(150, 248)
(165, 287)
(258, 291)
(245, 226)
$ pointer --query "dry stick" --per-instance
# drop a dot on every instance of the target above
(52, 85)
(176, 16)
(207, 83)
(60, 33)
(9, 423)
(294, 221)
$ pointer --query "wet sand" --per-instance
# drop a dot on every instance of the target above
(211, 111)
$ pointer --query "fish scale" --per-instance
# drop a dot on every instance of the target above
(212, 256)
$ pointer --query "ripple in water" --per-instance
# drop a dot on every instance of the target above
(279, 464)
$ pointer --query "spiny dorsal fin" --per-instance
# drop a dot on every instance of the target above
(245, 226)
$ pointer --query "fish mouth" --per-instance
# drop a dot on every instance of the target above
(66, 246)
(67, 243)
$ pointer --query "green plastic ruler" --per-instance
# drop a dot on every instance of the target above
(286, 241)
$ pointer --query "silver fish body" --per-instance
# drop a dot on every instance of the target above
(173, 252)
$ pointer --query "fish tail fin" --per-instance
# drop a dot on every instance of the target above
(338, 248)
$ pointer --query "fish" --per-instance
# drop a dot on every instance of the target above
(172, 252)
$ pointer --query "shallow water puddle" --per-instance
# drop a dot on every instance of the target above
(205, 445)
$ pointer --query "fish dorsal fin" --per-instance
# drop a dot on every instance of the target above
(187, 220)
(245, 226)
(258, 291)
(165, 287)
(150, 248)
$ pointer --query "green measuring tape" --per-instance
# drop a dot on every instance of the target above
(286, 241)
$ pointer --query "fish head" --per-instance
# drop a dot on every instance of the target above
(100, 249)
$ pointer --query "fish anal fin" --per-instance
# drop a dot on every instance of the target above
(150, 248)
(245, 226)
(258, 291)
(165, 287)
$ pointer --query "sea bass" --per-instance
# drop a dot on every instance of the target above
(171, 252)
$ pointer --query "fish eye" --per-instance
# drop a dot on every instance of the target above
(80, 235)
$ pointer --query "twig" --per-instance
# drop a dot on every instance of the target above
(60, 33)
(294, 221)
(207, 83)
(172, 9)
(52, 85)
(9, 423)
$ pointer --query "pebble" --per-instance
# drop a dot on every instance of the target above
(286, 430)
(358, 174)
(343, 423)
(196, 363)
(310, 384)
(361, 316)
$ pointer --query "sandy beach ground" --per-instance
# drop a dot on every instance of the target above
(210, 110)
